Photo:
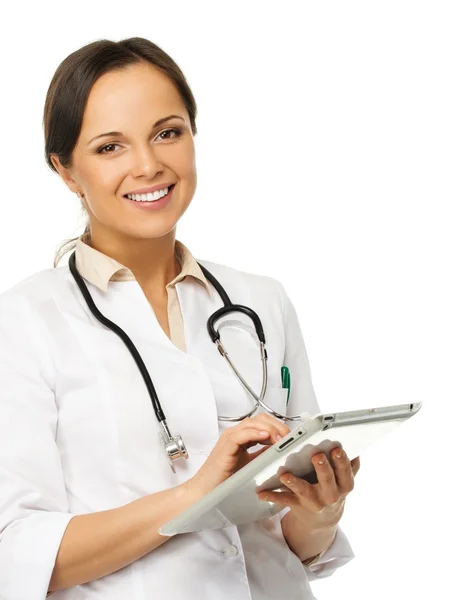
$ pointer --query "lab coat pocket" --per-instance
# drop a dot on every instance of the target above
(233, 400)
(276, 399)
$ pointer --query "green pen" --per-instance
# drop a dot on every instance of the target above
(286, 381)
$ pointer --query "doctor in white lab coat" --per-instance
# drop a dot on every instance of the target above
(84, 481)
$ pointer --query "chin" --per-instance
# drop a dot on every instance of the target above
(148, 233)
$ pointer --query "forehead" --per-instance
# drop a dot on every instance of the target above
(137, 90)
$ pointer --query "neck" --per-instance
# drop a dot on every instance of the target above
(153, 262)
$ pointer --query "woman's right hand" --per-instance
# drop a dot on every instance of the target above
(231, 451)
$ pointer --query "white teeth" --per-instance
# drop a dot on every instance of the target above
(148, 197)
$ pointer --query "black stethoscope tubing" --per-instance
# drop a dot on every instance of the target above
(214, 335)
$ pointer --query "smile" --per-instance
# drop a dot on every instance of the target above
(150, 197)
(151, 201)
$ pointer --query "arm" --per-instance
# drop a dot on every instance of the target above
(306, 544)
(316, 509)
(97, 544)
(42, 545)
(330, 546)
(33, 501)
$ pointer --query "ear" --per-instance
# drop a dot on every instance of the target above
(65, 173)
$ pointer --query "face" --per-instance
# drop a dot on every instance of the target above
(142, 154)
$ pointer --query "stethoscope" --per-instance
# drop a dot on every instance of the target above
(174, 445)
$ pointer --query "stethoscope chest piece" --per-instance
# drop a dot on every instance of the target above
(174, 448)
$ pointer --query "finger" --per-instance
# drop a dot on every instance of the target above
(328, 490)
(342, 468)
(282, 428)
(355, 465)
(236, 439)
(305, 492)
(263, 424)
(282, 498)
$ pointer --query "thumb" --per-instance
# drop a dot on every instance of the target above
(355, 465)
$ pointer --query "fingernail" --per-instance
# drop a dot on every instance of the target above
(278, 437)
(320, 461)
(339, 454)
(263, 433)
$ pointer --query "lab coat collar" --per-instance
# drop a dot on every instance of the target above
(99, 269)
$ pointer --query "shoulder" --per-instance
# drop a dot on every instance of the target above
(256, 285)
(233, 275)
(27, 295)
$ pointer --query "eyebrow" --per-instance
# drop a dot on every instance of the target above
(157, 124)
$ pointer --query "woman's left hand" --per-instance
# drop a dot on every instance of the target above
(318, 505)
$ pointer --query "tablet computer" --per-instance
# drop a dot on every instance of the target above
(235, 501)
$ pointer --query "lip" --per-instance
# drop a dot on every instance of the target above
(153, 188)
(152, 206)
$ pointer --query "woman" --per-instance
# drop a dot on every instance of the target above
(84, 478)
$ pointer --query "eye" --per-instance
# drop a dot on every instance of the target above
(108, 148)
(174, 130)
(102, 148)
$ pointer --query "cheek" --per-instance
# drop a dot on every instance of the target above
(106, 178)
(185, 163)
(102, 180)
(191, 180)
(101, 184)
(185, 169)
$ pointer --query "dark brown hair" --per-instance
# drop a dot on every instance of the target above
(71, 85)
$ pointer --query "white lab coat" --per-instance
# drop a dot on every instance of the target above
(78, 433)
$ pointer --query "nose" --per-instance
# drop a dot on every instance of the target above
(145, 162)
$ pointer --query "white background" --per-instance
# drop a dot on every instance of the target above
(327, 153)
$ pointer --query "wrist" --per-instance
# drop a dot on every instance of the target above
(310, 524)
(318, 522)
(308, 541)
(325, 539)
(189, 492)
